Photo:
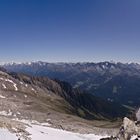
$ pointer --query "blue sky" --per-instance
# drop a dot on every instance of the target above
(69, 30)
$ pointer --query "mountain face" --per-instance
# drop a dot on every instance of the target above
(77, 103)
(30, 106)
(115, 82)
(22, 93)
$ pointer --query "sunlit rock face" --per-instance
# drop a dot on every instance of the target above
(130, 130)
(138, 115)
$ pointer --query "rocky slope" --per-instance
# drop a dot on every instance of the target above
(76, 102)
(29, 102)
(44, 100)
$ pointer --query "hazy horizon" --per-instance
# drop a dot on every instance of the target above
(69, 31)
(37, 61)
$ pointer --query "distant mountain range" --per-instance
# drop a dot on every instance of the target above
(114, 82)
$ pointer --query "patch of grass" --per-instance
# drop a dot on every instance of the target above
(81, 112)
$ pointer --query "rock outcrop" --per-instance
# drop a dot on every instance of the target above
(130, 130)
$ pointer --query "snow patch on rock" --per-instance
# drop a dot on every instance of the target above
(4, 86)
(2, 97)
(10, 81)
(6, 113)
